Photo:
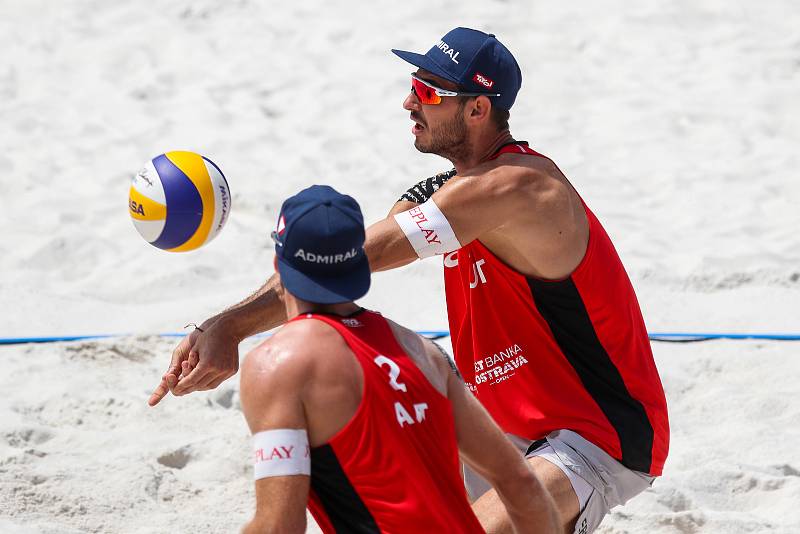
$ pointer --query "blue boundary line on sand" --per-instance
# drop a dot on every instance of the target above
(674, 337)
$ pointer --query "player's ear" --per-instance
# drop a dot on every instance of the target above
(275, 263)
(481, 107)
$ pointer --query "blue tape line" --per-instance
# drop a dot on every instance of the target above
(18, 340)
(691, 336)
(435, 334)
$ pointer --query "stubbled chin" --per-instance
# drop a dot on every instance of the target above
(421, 146)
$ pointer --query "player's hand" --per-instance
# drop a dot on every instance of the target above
(208, 359)
(180, 357)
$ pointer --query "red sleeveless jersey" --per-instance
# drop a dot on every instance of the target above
(394, 466)
(543, 355)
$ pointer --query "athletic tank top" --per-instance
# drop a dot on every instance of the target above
(543, 355)
(394, 466)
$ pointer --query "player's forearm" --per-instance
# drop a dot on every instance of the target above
(261, 311)
(387, 246)
(530, 507)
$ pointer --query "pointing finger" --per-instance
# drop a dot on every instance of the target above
(158, 393)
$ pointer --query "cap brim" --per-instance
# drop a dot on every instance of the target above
(324, 289)
(424, 62)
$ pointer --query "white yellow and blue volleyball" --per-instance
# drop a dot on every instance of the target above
(179, 201)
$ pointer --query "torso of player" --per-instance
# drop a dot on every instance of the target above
(568, 350)
(393, 466)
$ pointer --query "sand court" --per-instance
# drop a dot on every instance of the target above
(677, 123)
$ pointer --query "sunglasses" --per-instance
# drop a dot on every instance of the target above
(428, 93)
(275, 238)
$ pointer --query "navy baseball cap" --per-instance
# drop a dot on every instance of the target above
(476, 61)
(319, 244)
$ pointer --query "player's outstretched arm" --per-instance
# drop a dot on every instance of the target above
(271, 388)
(206, 358)
(484, 447)
(210, 354)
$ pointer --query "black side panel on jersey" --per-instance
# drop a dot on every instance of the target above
(423, 190)
(345, 509)
(562, 307)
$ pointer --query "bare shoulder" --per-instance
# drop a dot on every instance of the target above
(425, 355)
(512, 180)
(290, 359)
(532, 177)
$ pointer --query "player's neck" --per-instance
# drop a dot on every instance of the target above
(484, 147)
(296, 306)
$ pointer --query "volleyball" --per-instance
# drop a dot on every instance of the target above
(179, 201)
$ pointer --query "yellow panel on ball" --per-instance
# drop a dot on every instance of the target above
(144, 208)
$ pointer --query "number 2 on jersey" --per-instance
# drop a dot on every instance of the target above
(394, 372)
(403, 416)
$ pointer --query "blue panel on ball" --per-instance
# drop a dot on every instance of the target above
(184, 205)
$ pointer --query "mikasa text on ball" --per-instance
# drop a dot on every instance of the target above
(179, 201)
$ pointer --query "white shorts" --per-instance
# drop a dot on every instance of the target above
(599, 481)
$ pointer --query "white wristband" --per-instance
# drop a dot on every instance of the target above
(281, 452)
(428, 230)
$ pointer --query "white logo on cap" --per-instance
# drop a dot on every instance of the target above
(483, 80)
(325, 258)
(444, 47)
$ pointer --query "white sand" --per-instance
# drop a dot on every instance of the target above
(677, 121)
